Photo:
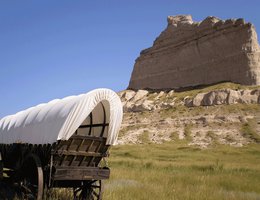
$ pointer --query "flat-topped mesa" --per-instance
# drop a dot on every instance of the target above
(189, 53)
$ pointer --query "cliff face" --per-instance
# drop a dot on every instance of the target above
(189, 53)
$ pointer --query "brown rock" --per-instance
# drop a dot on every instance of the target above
(215, 98)
(159, 95)
(140, 94)
(128, 95)
(208, 99)
(147, 105)
(247, 97)
(188, 101)
(170, 93)
(233, 97)
(197, 101)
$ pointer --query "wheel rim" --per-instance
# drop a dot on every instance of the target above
(32, 178)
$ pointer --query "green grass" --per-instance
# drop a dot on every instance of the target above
(178, 171)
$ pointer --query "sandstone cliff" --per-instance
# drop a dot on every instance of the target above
(189, 53)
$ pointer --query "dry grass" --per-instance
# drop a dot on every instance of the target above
(178, 171)
(248, 130)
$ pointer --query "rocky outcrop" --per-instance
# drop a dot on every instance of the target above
(226, 96)
(189, 53)
(143, 100)
(195, 116)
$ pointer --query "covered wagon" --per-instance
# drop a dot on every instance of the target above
(61, 144)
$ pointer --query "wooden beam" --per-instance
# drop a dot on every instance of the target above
(81, 173)
(79, 153)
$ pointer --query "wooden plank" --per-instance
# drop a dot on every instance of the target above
(79, 153)
(89, 147)
(70, 144)
(81, 173)
(71, 162)
(98, 147)
(91, 161)
(63, 159)
(81, 143)
(82, 161)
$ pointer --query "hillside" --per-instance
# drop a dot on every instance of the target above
(225, 113)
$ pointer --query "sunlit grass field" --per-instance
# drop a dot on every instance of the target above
(175, 170)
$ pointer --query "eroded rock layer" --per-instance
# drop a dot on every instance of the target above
(189, 53)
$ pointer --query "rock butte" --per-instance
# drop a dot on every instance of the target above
(189, 53)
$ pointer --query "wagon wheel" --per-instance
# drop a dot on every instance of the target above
(31, 178)
(92, 190)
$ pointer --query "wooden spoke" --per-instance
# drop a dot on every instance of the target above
(92, 190)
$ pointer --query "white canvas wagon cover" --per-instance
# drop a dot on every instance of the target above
(60, 118)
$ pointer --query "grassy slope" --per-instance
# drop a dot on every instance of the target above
(178, 171)
(174, 170)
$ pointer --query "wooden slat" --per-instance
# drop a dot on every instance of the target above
(80, 145)
(81, 173)
(78, 153)
(98, 147)
(70, 143)
(63, 159)
(89, 147)
(91, 161)
(72, 160)
(82, 161)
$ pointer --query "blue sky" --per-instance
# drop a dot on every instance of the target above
(52, 49)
